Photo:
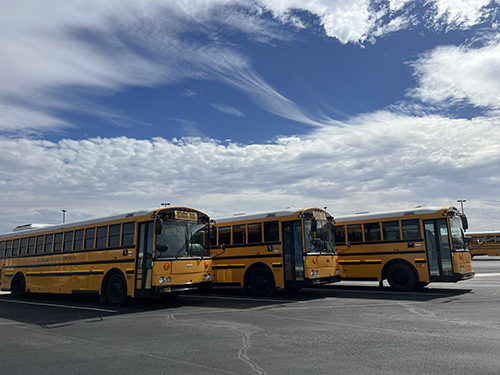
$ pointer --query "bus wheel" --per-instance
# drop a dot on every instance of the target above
(116, 290)
(169, 296)
(261, 283)
(401, 278)
(18, 286)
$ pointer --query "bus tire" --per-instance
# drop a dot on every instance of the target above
(401, 277)
(116, 290)
(18, 286)
(261, 282)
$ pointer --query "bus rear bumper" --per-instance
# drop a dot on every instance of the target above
(465, 276)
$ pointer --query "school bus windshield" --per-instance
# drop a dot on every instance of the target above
(320, 241)
(457, 235)
(182, 238)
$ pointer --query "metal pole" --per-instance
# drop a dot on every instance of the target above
(64, 216)
(461, 201)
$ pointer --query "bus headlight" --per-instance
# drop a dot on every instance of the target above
(317, 273)
(312, 273)
(169, 279)
(162, 280)
(207, 277)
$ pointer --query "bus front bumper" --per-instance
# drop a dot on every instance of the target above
(465, 276)
(162, 289)
(322, 280)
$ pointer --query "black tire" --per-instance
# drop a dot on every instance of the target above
(422, 284)
(401, 278)
(18, 287)
(116, 290)
(261, 283)
(169, 296)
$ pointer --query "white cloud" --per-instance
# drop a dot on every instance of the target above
(461, 14)
(376, 161)
(454, 74)
(227, 109)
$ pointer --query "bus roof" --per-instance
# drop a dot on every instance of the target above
(36, 228)
(396, 213)
(265, 215)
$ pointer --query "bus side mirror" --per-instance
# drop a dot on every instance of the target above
(465, 222)
(158, 226)
(314, 225)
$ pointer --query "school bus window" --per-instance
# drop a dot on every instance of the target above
(58, 242)
(497, 240)
(271, 231)
(355, 233)
(390, 230)
(372, 232)
(254, 233)
(114, 235)
(102, 236)
(239, 234)
(411, 228)
(15, 247)
(2, 249)
(48, 243)
(89, 238)
(24, 244)
(339, 234)
(128, 233)
(79, 239)
(31, 245)
(8, 247)
(225, 236)
(39, 244)
(490, 238)
(68, 241)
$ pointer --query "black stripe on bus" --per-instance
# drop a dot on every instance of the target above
(360, 263)
(381, 253)
(253, 244)
(272, 255)
(69, 273)
(420, 261)
(406, 240)
(229, 266)
(277, 265)
(63, 252)
(126, 260)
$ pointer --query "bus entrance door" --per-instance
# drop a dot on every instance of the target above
(438, 250)
(144, 259)
(293, 254)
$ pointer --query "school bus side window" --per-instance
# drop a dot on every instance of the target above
(24, 244)
(102, 236)
(128, 233)
(15, 247)
(89, 238)
(68, 241)
(8, 247)
(2, 249)
(355, 233)
(58, 239)
(339, 234)
(79, 239)
(254, 233)
(271, 231)
(391, 230)
(224, 236)
(39, 244)
(31, 245)
(372, 232)
(239, 234)
(48, 243)
(411, 228)
(114, 235)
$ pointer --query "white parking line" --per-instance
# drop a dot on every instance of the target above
(60, 306)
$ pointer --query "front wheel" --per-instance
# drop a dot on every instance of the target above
(261, 283)
(116, 290)
(401, 278)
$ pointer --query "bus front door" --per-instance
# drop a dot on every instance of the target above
(293, 254)
(438, 250)
(144, 259)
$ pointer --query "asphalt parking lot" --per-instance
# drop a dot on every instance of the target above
(343, 328)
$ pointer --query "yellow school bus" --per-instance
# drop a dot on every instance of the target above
(288, 249)
(408, 248)
(484, 243)
(138, 254)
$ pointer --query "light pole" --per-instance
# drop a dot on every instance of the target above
(462, 201)
(64, 216)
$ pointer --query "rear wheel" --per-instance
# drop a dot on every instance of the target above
(116, 290)
(18, 286)
(401, 277)
(261, 283)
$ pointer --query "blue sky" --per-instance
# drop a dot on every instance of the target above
(240, 106)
